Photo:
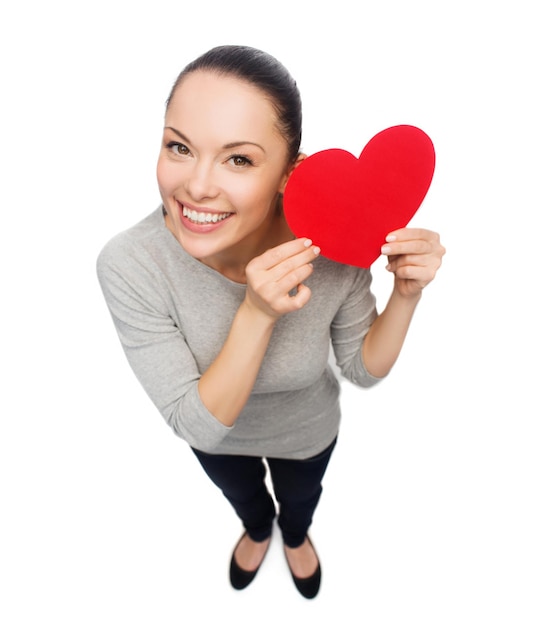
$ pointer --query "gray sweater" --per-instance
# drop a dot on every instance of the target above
(173, 314)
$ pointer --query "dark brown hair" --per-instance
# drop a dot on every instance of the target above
(263, 71)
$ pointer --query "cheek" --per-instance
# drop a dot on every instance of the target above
(166, 177)
(252, 199)
(259, 191)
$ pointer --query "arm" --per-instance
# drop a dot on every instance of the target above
(226, 385)
(414, 258)
(137, 296)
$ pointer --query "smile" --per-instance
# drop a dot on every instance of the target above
(198, 217)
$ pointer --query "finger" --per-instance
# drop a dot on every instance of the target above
(294, 278)
(294, 264)
(280, 305)
(301, 298)
(409, 247)
(412, 273)
(405, 234)
(413, 240)
(273, 257)
(413, 270)
(420, 260)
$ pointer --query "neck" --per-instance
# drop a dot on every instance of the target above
(232, 262)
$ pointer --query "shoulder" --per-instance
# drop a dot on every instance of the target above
(132, 267)
(134, 246)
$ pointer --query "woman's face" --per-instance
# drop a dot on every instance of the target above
(221, 166)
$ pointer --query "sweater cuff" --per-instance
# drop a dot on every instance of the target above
(196, 425)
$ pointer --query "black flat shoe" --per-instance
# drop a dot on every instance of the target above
(241, 578)
(309, 586)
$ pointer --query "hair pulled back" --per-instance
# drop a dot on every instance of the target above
(264, 72)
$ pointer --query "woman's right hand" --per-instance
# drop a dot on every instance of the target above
(272, 277)
(227, 383)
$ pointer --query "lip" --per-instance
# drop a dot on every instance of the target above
(203, 228)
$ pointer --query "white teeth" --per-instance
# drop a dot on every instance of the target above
(204, 218)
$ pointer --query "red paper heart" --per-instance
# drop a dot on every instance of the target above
(347, 206)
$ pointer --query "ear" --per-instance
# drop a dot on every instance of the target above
(290, 170)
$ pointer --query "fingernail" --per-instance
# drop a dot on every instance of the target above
(308, 243)
(316, 250)
(386, 249)
(391, 238)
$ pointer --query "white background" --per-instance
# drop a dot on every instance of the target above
(105, 516)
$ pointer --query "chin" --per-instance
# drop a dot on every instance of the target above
(200, 248)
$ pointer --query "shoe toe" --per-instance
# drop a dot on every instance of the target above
(309, 587)
(240, 578)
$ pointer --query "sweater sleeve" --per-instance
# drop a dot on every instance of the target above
(153, 344)
(349, 328)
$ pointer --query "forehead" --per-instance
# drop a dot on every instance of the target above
(221, 105)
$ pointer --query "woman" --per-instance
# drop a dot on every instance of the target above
(226, 318)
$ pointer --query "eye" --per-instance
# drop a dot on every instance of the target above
(239, 160)
(177, 148)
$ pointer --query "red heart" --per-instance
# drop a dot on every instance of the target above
(347, 206)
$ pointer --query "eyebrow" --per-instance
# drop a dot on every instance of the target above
(227, 146)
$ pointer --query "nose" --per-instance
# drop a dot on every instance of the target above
(200, 183)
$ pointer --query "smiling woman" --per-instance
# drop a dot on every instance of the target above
(231, 163)
(226, 318)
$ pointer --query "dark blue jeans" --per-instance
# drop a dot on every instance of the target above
(297, 487)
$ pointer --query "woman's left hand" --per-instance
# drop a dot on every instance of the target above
(414, 257)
